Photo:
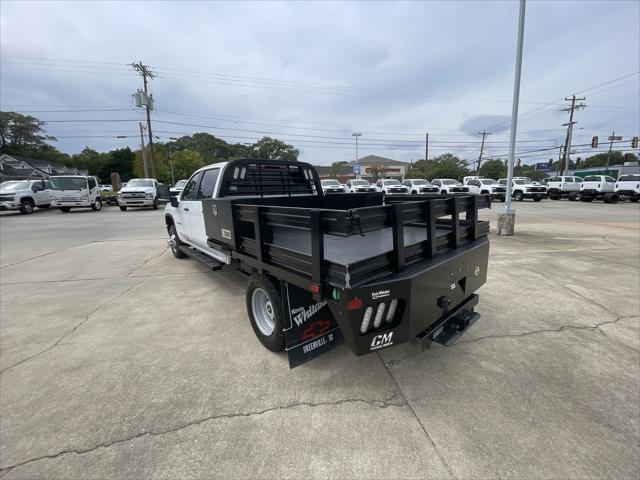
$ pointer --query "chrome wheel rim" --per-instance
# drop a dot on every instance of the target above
(263, 311)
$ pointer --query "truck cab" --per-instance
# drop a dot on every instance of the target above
(75, 191)
(25, 195)
(486, 186)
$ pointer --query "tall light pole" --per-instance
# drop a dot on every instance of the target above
(507, 220)
(357, 134)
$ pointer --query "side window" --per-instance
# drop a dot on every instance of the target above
(92, 183)
(502, 182)
(47, 185)
(208, 183)
(189, 192)
(609, 179)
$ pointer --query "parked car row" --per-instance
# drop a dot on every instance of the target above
(75, 191)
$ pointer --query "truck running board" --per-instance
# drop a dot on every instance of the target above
(212, 263)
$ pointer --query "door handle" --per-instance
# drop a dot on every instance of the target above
(185, 209)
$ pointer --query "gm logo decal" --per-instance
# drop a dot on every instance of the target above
(381, 341)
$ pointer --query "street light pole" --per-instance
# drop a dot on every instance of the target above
(507, 220)
(357, 134)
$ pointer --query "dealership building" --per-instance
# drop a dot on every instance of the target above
(368, 165)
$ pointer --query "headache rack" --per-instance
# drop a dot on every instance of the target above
(342, 240)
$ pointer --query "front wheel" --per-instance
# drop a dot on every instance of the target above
(65, 209)
(611, 198)
(264, 307)
(573, 196)
(97, 205)
(537, 199)
(26, 207)
(123, 208)
(174, 242)
(518, 196)
(155, 204)
(634, 199)
(584, 198)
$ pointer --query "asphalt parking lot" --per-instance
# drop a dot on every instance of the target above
(119, 361)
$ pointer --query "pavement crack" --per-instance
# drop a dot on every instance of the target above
(385, 402)
(143, 264)
(408, 404)
(65, 335)
(27, 260)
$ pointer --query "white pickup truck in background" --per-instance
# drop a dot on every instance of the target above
(419, 186)
(486, 186)
(24, 195)
(598, 187)
(628, 187)
(139, 192)
(563, 186)
(449, 185)
(523, 187)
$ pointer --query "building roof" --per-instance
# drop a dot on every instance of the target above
(40, 165)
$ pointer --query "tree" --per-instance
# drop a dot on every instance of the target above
(163, 173)
(447, 165)
(211, 149)
(377, 171)
(122, 162)
(493, 169)
(268, 148)
(336, 168)
(185, 162)
(600, 159)
(21, 133)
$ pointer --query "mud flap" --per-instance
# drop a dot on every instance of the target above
(310, 328)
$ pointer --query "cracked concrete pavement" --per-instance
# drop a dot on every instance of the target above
(119, 361)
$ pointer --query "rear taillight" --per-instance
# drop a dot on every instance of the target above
(379, 313)
(366, 319)
(392, 310)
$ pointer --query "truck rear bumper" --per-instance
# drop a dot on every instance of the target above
(414, 303)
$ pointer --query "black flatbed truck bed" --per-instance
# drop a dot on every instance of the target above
(339, 258)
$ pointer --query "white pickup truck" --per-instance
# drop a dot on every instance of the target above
(331, 185)
(448, 185)
(24, 195)
(598, 187)
(523, 187)
(563, 186)
(390, 186)
(73, 191)
(486, 186)
(419, 186)
(628, 186)
(139, 192)
(359, 185)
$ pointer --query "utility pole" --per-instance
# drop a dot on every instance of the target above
(611, 140)
(356, 135)
(573, 107)
(144, 154)
(507, 220)
(426, 154)
(146, 72)
(484, 134)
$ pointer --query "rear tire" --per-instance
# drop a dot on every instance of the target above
(634, 199)
(610, 198)
(586, 199)
(264, 306)
(65, 209)
(536, 199)
(573, 196)
(97, 205)
(26, 207)
(174, 242)
(123, 208)
(518, 196)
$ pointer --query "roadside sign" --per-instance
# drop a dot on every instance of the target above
(543, 167)
(356, 169)
(613, 139)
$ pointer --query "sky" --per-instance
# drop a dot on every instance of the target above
(313, 73)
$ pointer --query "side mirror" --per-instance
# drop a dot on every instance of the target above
(163, 192)
(174, 201)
